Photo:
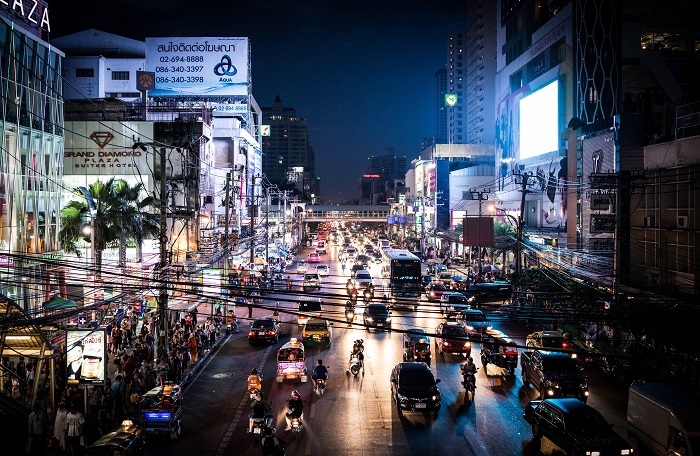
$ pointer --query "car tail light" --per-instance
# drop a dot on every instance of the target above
(564, 345)
(270, 333)
(327, 335)
(303, 335)
(445, 343)
(251, 334)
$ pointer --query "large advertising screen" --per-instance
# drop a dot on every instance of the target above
(539, 122)
(198, 65)
(85, 356)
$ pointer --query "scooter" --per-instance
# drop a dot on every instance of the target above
(367, 295)
(355, 365)
(259, 425)
(469, 383)
(319, 386)
(232, 325)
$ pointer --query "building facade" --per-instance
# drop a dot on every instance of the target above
(480, 66)
(31, 159)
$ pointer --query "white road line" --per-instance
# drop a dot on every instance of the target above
(239, 412)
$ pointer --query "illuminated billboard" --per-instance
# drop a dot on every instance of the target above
(198, 66)
(539, 122)
(85, 356)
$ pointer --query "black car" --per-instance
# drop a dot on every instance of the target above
(414, 388)
(266, 329)
(426, 279)
(575, 427)
(377, 316)
(356, 267)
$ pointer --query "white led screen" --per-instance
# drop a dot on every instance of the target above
(539, 122)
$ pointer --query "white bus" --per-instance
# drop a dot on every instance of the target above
(404, 277)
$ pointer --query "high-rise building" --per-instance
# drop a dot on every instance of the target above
(440, 109)
(288, 159)
(480, 50)
(456, 71)
(31, 156)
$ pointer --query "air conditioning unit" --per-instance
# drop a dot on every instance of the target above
(683, 222)
(648, 222)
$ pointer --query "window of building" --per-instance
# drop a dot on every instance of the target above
(120, 75)
(84, 73)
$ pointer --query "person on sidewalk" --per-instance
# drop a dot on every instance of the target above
(38, 426)
(74, 430)
(59, 426)
(193, 346)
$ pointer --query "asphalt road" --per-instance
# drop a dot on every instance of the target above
(356, 415)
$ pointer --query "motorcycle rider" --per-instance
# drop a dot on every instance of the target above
(289, 283)
(231, 322)
(270, 443)
(254, 382)
(469, 372)
(261, 410)
(349, 311)
(295, 408)
(320, 372)
(358, 351)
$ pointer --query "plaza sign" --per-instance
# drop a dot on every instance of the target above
(34, 12)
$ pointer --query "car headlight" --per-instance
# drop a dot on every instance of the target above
(469, 327)
(401, 397)
(488, 328)
(388, 319)
(552, 384)
(436, 397)
(370, 319)
(467, 344)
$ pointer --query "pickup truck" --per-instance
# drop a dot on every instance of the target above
(553, 374)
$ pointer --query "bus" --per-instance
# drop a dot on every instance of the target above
(404, 277)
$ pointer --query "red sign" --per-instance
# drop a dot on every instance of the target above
(371, 176)
(137, 306)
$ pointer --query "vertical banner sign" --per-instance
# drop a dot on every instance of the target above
(85, 356)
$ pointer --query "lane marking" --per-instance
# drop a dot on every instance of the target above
(239, 412)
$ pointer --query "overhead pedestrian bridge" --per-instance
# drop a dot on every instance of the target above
(329, 213)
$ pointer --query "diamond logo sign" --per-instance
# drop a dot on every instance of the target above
(102, 138)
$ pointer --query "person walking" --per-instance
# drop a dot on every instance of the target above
(59, 427)
(193, 346)
(74, 430)
(38, 426)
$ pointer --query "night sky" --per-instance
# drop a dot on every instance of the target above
(360, 72)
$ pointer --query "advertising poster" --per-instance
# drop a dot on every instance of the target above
(198, 65)
(85, 356)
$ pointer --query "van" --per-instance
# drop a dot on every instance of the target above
(309, 307)
(663, 420)
(384, 244)
(486, 293)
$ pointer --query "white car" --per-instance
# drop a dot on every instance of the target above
(362, 279)
(302, 267)
(323, 270)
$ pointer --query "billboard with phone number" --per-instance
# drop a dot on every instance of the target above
(198, 66)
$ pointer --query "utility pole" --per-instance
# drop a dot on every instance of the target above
(481, 196)
(267, 228)
(519, 235)
(162, 348)
(252, 221)
(435, 224)
(226, 241)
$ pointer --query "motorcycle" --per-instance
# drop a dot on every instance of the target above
(469, 383)
(231, 324)
(259, 425)
(352, 293)
(255, 386)
(350, 313)
(319, 386)
(367, 295)
(355, 364)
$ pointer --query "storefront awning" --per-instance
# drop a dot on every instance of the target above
(59, 303)
(19, 337)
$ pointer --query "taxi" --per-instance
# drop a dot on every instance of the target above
(302, 268)
(316, 331)
(314, 258)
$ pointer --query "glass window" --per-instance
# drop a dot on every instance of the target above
(120, 75)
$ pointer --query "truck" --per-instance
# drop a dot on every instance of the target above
(553, 374)
(663, 420)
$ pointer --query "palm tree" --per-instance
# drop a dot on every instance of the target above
(118, 218)
(504, 240)
(137, 224)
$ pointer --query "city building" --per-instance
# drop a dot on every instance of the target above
(289, 160)
(456, 85)
(480, 72)
(31, 159)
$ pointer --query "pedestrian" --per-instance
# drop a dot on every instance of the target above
(59, 426)
(193, 346)
(277, 309)
(38, 426)
(119, 397)
(74, 431)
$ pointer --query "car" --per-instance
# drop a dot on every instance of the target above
(308, 307)
(314, 257)
(420, 255)
(363, 260)
(312, 280)
(489, 292)
(266, 329)
(474, 322)
(435, 290)
(452, 303)
(426, 279)
(548, 340)
(323, 270)
(317, 331)
(362, 279)
(458, 283)
(355, 268)
(445, 277)
(436, 268)
(414, 387)
(377, 258)
(452, 338)
(302, 267)
(377, 316)
(321, 247)
(575, 427)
